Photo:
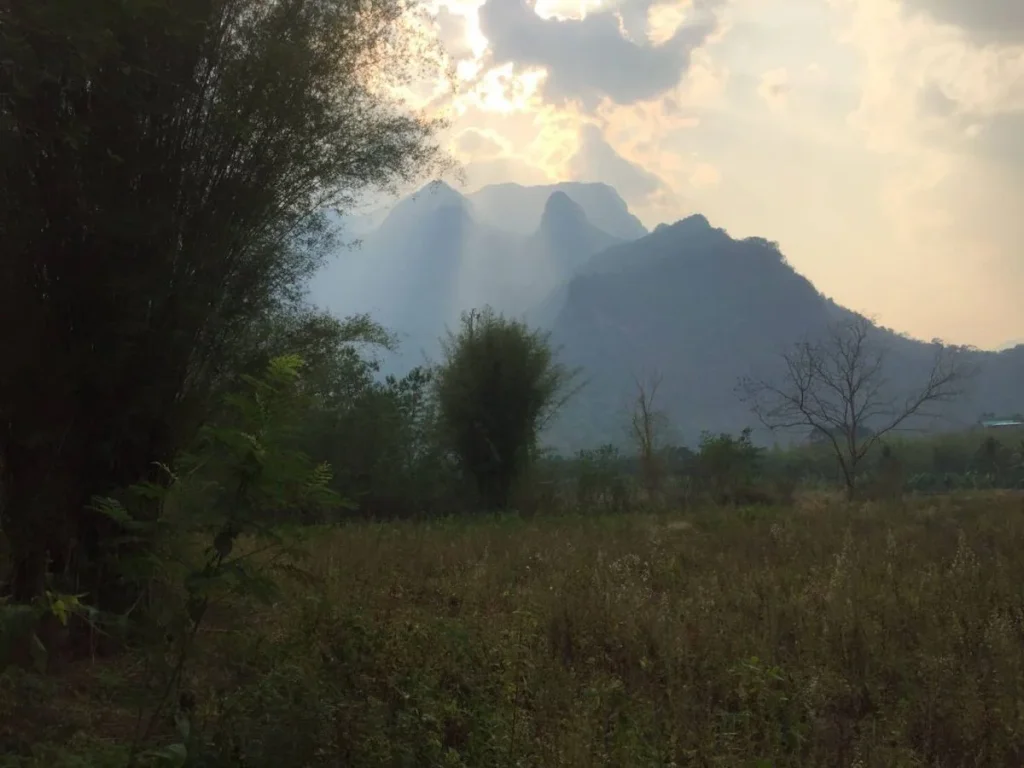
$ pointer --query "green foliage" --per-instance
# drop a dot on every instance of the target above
(190, 149)
(497, 386)
(253, 453)
(600, 485)
(380, 435)
(936, 463)
(725, 465)
(30, 633)
(240, 477)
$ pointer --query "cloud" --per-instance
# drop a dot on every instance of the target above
(1000, 143)
(453, 33)
(478, 144)
(889, 169)
(595, 57)
(502, 170)
(942, 105)
(535, 140)
(774, 88)
(705, 175)
(597, 160)
(987, 21)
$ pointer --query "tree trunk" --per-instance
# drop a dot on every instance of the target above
(28, 573)
(852, 491)
(35, 520)
(48, 487)
(849, 472)
(55, 539)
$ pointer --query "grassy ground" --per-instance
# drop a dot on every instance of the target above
(823, 635)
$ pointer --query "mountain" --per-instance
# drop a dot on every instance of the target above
(518, 208)
(702, 309)
(564, 242)
(433, 257)
(512, 207)
(687, 301)
(353, 226)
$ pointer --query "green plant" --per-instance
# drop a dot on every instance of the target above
(499, 383)
(726, 466)
(191, 172)
(600, 485)
(240, 477)
(29, 632)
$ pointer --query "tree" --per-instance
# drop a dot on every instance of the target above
(726, 465)
(837, 386)
(497, 387)
(647, 425)
(599, 483)
(339, 354)
(164, 166)
(379, 435)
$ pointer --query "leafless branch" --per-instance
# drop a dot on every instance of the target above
(837, 387)
(646, 427)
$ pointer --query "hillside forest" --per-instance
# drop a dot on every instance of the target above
(513, 482)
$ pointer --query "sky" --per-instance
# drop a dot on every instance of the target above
(880, 142)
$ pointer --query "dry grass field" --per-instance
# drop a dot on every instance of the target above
(819, 635)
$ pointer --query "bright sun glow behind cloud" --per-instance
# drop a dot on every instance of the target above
(877, 140)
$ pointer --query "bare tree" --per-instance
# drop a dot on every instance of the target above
(838, 388)
(647, 427)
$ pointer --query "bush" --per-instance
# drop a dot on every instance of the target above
(497, 386)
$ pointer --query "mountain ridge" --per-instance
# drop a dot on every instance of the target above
(704, 310)
(687, 299)
(602, 204)
(433, 256)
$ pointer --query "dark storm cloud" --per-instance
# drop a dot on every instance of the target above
(590, 58)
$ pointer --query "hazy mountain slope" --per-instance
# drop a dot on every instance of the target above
(356, 225)
(519, 209)
(432, 258)
(703, 309)
(686, 300)
(564, 242)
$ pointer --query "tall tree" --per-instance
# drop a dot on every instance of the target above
(163, 168)
(838, 388)
(498, 385)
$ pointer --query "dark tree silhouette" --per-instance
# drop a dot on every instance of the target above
(163, 169)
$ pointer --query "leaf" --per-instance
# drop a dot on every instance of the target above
(149, 491)
(182, 724)
(111, 508)
(60, 610)
(173, 755)
(39, 653)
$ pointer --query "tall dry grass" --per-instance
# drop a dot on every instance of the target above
(821, 635)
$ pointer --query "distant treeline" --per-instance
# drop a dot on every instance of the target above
(933, 463)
